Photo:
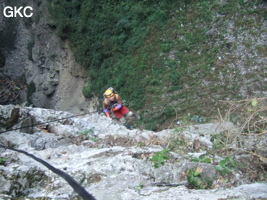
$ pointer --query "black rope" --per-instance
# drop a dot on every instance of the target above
(74, 184)
(46, 122)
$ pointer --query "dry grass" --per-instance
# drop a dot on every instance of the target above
(250, 116)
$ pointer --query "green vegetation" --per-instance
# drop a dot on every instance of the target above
(89, 134)
(2, 160)
(163, 57)
(178, 142)
(202, 159)
(87, 91)
(160, 157)
(226, 165)
(140, 186)
(195, 180)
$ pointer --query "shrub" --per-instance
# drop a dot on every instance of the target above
(127, 45)
(195, 180)
(227, 165)
(87, 91)
(160, 157)
(2, 160)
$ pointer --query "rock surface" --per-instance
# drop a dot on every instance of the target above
(45, 62)
(110, 161)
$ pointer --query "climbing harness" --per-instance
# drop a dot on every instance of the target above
(112, 103)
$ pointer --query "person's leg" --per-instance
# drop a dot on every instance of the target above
(120, 116)
(124, 115)
(130, 115)
(124, 122)
(121, 112)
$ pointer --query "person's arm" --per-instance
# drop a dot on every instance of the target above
(105, 109)
(119, 104)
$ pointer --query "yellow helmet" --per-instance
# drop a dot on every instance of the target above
(109, 93)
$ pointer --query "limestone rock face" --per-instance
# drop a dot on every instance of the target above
(109, 161)
(44, 61)
(8, 116)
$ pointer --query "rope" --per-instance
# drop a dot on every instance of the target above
(48, 122)
(74, 184)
